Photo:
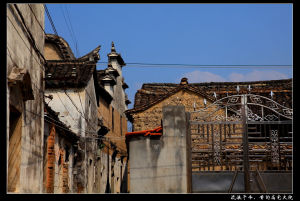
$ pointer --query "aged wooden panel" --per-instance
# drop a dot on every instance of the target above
(14, 154)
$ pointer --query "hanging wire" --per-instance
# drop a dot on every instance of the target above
(50, 19)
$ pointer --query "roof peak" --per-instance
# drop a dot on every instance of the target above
(113, 49)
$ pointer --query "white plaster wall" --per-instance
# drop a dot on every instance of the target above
(69, 111)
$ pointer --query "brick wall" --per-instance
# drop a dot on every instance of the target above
(50, 171)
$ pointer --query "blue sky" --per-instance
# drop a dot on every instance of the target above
(197, 34)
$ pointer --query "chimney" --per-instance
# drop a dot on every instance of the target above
(184, 81)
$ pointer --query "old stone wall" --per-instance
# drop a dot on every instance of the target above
(22, 55)
(112, 172)
(151, 118)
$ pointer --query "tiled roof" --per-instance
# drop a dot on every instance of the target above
(62, 46)
(72, 74)
(153, 132)
(152, 93)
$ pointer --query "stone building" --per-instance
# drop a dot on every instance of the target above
(111, 109)
(25, 107)
(147, 111)
(72, 84)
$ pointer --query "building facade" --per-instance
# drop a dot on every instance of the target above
(229, 126)
(111, 110)
(25, 95)
(72, 84)
(60, 148)
(147, 111)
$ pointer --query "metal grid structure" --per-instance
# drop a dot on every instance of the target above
(241, 133)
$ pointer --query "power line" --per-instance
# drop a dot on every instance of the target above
(106, 138)
(39, 62)
(50, 19)
(79, 111)
(76, 44)
(241, 66)
(29, 34)
(36, 18)
(38, 88)
(70, 28)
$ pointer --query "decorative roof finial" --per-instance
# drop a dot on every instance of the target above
(272, 94)
(249, 88)
(113, 49)
(238, 88)
(184, 81)
(215, 95)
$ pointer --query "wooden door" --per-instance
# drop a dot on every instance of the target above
(14, 152)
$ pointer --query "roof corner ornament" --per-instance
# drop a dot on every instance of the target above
(215, 95)
(184, 81)
(249, 88)
(204, 101)
(271, 94)
(238, 88)
(113, 49)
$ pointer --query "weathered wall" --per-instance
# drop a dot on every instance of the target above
(58, 162)
(114, 119)
(119, 94)
(68, 104)
(151, 118)
(78, 109)
(51, 52)
(22, 55)
(91, 114)
(111, 172)
(159, 164)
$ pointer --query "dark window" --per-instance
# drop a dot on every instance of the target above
(67, 153)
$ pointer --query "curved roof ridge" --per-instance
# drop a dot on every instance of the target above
(63, 46)
(94, 54)
(163, 97)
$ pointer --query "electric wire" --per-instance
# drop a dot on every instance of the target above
(70, 30)
(29, 34)
(36, 19)
(239, 66)
(38, 88)
(41, 65)
(39, 53)
(91, 126)
(39, 62)
(50, 19)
